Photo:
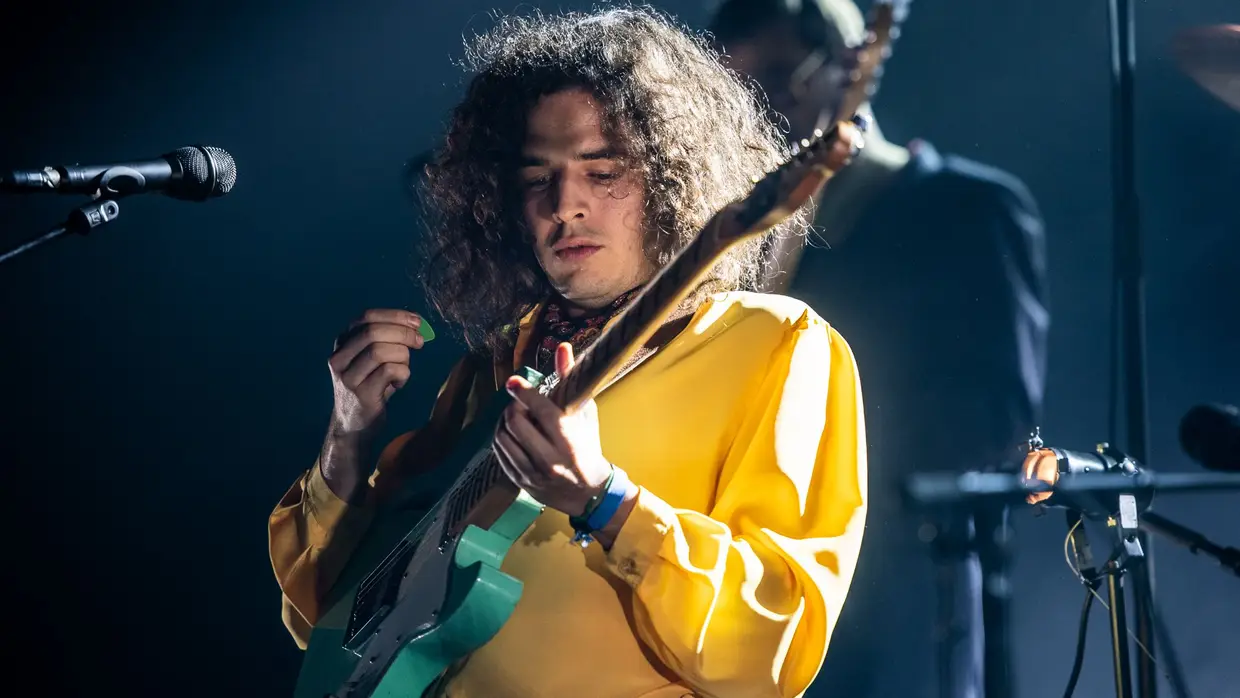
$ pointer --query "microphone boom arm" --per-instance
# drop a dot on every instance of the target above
(1228, 558)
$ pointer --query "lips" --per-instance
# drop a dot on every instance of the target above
(576, 252)
(574, 248)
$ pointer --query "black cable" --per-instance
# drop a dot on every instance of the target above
(1080, 642)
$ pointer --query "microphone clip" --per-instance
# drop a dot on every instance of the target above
(1128, 551)
(1035, 440)
(1123, 463)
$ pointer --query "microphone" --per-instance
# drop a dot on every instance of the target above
(1210, 435)
(192, 173)
(1106, 460)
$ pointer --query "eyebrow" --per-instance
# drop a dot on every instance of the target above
(600, 154)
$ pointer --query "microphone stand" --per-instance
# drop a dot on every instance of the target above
(1128, 556)
(81, 220)
(1128, 309)
(953, 490)
(1228, 558)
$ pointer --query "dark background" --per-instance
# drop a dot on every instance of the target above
(165, 379)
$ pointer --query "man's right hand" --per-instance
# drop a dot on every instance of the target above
(370, 363)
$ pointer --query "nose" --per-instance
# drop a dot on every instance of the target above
(572, 200)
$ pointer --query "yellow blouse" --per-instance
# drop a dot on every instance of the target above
(746, 437)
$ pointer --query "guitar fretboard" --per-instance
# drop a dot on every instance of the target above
(600, 361)
(470, 489)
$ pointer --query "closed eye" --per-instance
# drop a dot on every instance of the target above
(536, 183)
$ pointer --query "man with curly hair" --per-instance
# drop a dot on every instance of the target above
(588, 151)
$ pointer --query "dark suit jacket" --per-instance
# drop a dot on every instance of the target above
(940, 291)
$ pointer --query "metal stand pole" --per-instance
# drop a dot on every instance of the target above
(1119, 631)
(1128, 340)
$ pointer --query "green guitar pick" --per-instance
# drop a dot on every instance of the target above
(424, 329)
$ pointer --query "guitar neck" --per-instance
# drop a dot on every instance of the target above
(608, 354)
(460, 504)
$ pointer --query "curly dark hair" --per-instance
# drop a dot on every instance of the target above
(692, 130)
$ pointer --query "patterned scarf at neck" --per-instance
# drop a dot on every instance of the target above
(555, 326)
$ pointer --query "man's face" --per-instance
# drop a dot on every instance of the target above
(585, 210)
(799, 82)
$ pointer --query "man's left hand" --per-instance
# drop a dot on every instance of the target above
(553, 455)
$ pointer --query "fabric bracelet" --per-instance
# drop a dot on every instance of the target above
(612, 499)
(579, 522)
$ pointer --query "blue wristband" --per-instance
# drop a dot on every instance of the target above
(611, 501)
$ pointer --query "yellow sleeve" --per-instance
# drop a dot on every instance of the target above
(742, 600)
(312, 533)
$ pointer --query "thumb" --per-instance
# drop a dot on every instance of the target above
(564, 359)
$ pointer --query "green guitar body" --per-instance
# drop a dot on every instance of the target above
(453, 605)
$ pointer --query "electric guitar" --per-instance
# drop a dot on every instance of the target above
(424, 588)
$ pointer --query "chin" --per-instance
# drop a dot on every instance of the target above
(565, 275)
(587, 296)
(582, 294)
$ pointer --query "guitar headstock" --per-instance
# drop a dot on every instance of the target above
(886, 16)
(779, 194)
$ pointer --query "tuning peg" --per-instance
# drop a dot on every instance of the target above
(817, 133)
(804, 142)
